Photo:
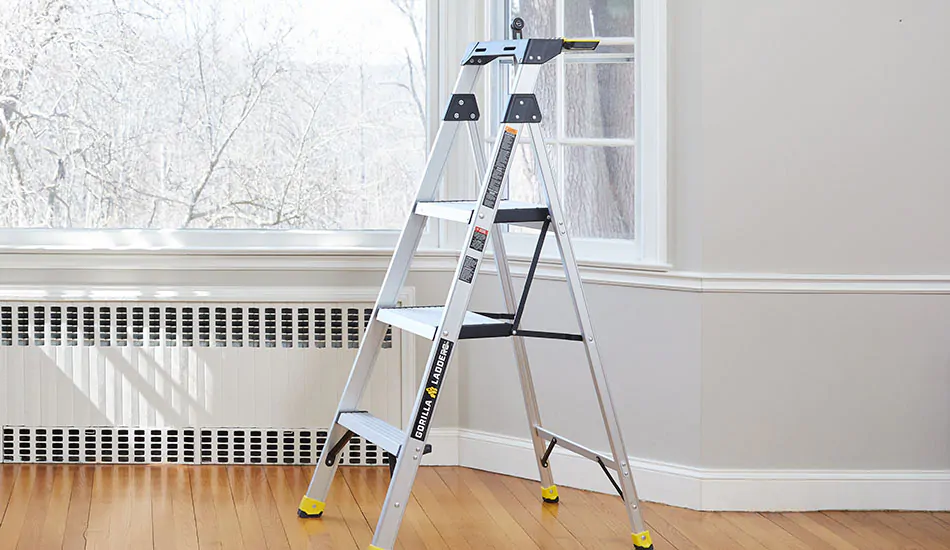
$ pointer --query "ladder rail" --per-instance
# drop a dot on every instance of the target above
(428, 190)
(447, 334)
(511, 304)
(388, 295)
(576, 289)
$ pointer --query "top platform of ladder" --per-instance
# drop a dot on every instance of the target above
(530, 51)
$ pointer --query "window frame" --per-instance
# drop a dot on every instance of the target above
(648, 248)
(248, 241)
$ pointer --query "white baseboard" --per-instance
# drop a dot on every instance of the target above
(708, 489)
(445, 448)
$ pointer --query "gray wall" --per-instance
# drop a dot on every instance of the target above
(825, 138)
(826, 128)
(650, 343)
(824, 381)
(806, 137)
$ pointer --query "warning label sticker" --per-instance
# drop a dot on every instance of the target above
(478, 239)
(468, 269)
(500, 166)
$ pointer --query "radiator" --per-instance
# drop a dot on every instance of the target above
(223, 383)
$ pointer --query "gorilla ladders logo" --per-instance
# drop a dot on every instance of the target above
(436, 371)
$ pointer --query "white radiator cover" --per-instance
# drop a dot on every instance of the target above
(159, 372)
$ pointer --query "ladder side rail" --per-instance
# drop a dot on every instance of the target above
(405, 249)
(314, 500)
(521, 353)
(450, 326)
(576, 289)
(428, 191)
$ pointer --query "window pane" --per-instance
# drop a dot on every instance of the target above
(598, 18)
(523, 181)
(211, 113)
(539, 17)
(599, 100)
(598, 190)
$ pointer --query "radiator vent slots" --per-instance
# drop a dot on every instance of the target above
(116, 445)
(286, 326)
(184, 382)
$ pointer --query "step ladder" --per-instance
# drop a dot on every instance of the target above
(446, 325)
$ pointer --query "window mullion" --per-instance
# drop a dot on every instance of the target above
(560, 89)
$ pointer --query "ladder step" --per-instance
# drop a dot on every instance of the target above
(384, 435)
(461, 211)
(424, 321)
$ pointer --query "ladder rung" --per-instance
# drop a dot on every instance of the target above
(424, 321)
(576, 447)
(461, 211)
(384, 435)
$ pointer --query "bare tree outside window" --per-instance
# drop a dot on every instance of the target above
(588, 112)
(210, 113)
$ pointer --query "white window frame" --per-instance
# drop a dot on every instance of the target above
(247, 241)
(649, 247)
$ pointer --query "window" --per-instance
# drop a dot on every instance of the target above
(223, 114)
(604, 121)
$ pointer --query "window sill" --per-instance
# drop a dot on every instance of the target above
(179, 250)
(184, 241)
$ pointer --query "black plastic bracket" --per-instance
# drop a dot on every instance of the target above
(331, 458)
(540, 51)
(610, 477)
(461, 107)
(523, 108)
(391, 459)
(547, 452)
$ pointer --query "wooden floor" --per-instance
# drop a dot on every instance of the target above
(251, 507)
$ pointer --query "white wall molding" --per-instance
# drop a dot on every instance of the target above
(741, 283)
(647, 276)
(708, 489)
(824, 284)
(445, 447)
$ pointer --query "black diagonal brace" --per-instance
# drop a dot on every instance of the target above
(534, 266)
(610, 477)
(331, 458)
(548, 451)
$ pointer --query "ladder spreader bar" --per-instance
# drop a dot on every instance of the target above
(576, 448)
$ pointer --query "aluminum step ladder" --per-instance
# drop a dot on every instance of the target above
(446, 325)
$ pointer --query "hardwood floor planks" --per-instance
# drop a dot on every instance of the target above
(78, 507)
